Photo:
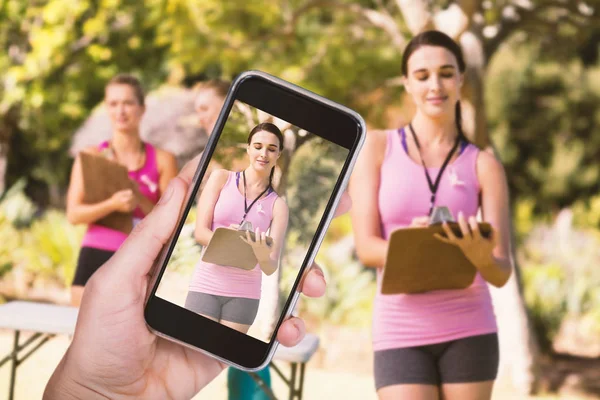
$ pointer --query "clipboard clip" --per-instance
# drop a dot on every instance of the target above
(246, 226)
(440, 214)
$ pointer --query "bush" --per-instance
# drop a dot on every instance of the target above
(350, 291)
(50, 247)
(561, 276)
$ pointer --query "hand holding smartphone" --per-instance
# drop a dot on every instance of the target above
(287, 155)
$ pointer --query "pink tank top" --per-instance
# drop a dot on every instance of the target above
(147, 177)
(228, 281)
(407, 320)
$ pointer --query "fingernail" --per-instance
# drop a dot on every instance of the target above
(297, 327)
(167, 194)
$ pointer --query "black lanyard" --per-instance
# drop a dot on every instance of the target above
(433, 187)
(246, 208)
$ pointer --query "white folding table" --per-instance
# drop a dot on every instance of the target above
(45, 321)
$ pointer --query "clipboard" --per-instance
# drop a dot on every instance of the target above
(417, 262)
(227, 248)
(101, 179)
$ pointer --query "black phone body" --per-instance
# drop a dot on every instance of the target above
(337, 128)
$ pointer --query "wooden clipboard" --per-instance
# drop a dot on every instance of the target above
(227, 248)
(101, 179)
(417, 262)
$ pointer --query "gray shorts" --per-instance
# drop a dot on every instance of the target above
(471, 359)
(233, 309)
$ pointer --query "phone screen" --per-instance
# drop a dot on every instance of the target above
(264, 174)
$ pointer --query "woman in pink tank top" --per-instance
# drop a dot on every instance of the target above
(437, 344)
(227, 294)
(150, 168)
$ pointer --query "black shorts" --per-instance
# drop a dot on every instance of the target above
(222, 308)
(90, 259)
(471, 359)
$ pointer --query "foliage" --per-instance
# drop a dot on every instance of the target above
(545, 120)
(61, 53)
(350, 287)
(586, 212)
(50, 247)
(560, 276)
(187, 251)
(312, 175)
(10, 239)
(16, 207)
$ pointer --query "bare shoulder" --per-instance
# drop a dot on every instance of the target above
(280, 207)
(489, 168)
(219, 176)
(163, 156)
(90, 150)
(373, 152)
(376, 139)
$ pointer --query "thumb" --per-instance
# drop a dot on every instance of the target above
(137, 254)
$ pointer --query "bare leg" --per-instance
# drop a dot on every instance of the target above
(409, 391)
(468, 391)
(76, 295)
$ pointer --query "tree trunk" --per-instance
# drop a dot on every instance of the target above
(519, 349)
(6, 128)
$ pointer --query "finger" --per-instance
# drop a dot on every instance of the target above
(443, 239)
(257, 236)
(493, 237)
(313, 284)
(142, 246)
(189, 169)
(449, 233)
(474, 228)
(248, 238)
(291, 332)
(344, 205)
(420, 221)
(464, 227)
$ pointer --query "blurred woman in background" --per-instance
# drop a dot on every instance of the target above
(149, 168)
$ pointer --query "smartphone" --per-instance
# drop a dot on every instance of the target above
(280, 157)
(484, 227)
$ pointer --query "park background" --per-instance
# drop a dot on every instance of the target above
(532, 96)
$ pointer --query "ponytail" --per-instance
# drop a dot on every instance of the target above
(458, 118)
(271, 177)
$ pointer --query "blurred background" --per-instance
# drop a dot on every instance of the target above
(532, 96)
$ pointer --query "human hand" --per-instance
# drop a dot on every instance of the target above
(477, 249)
(259, 245)
(124, 201)
(113, 354)
(419, 222)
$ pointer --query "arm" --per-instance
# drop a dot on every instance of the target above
(167, 170)
(77, 211)
(278, 227)
(206, 206)
(494, 203)
(371, 248)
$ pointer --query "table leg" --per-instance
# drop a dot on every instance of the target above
(13, 366)
(301, 386)
(263, 386)
(293, 381)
